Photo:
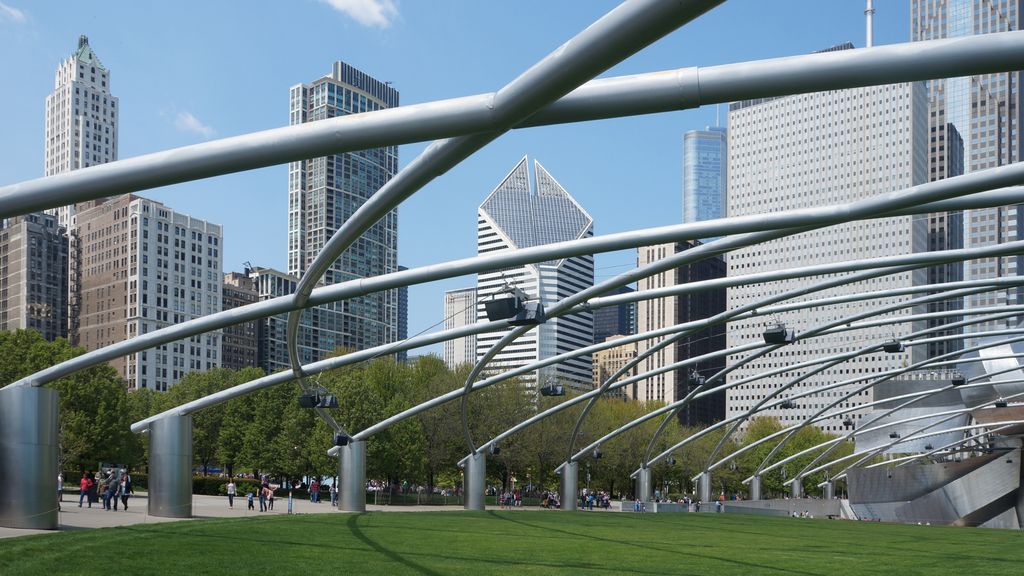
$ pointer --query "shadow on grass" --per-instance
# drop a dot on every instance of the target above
(652, 548)
(353, 525)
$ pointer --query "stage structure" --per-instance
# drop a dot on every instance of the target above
(558, 89)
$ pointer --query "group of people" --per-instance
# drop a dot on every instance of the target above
(111, 486)
(510, 500)
(589, 499)
(550, 500)
(265, 495)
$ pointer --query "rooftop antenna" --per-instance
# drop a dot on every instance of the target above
(869, 14)
(718, 122)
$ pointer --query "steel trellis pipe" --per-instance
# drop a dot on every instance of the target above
(820, 329)
(902, 202)
(880, 377)
(656, 92)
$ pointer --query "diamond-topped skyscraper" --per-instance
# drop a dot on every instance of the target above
(81, 118)
(518, 215)
(324, 192)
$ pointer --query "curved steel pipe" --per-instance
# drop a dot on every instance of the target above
(490, 262)
(932, 362)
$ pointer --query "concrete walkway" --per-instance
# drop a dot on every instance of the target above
(71, 517)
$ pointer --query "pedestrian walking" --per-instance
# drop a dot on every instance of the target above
(270, 497)
(249, 498)
(84, 485)
(231, 493)
(263, 498)
(126, 489)
(334, 492)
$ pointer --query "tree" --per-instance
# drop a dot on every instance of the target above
(94, 420)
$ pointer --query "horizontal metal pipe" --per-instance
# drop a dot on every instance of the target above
(610, 97)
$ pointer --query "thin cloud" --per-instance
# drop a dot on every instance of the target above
(11, 13)
(379, 13)
(186, 122)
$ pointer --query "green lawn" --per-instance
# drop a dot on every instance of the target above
(517, 542)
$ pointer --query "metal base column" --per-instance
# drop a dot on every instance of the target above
(796, 488)
(570, 485)
(475, 482)
(352, 469)
(643, 485)
(170, 467)
(704, 487)
(828, 491)
(755, 488)
(28, 457)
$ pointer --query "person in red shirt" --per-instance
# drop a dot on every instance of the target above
(84, 485)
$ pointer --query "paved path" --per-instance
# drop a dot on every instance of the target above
(71, 517)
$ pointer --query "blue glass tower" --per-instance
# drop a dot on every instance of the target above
(704, 174)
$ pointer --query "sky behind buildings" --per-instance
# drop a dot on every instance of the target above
(186, 72)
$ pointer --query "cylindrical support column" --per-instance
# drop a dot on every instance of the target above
(828, 491)
(570, 485)
(796, 488)
(755, 488)
(352, 470)
(170, 467)
(643, 485)
(476, 481)
(28, 458)
(704, 487)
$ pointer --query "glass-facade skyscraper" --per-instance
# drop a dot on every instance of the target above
(975, 124)
(324, 192)
(705, 174)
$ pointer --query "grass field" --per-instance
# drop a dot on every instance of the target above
(517, 542)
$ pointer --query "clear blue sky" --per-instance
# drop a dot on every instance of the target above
(188, 71)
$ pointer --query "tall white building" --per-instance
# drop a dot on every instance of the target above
(81, 118)
(813, 150)
(459, 311)
(512, 217)
(140, 266)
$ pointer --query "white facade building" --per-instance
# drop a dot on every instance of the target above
(813, 150)
(514, 217)
(81, 119)
(459, 311)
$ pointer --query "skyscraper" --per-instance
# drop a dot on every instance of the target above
(324, 192)
(139, 267)
(81, 118)
(811, 150)
(974, 124)
(671, 386)
(518, 215)
(459, 311)
(705, 173)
